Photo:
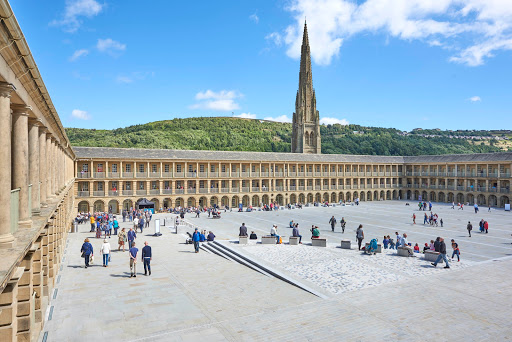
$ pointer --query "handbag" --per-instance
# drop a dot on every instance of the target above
(83, 254)
(91, 259)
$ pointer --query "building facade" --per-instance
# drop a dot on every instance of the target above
(112, 178)
(306, 119)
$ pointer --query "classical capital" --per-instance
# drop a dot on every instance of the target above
(6, 89)
(35, 122)
(21, 109)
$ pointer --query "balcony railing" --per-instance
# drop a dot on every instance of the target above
(127, 192)
(99, 193)
(224, 174)
(179, 191)
(191, 174)
(83, 194)
(99, 174)
(224, 190)
(301, 187)
(214, 190)
(214, 174)
(166, 174)
(264, 189)
(166, 191)
(141, 175)
(235, 174)
(154, 192)
(179, 175)
(113, 193)
(235, 190)
(113, 174)
(255, 189)
(279, 188)
(83, 175)
(127, 175)
(155, 174)
(293, 188)
(142, 192)
(191, 191)
(245, 189)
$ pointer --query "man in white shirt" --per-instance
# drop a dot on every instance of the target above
(273, 232)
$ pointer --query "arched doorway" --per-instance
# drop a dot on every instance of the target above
(127, 204)
(310, 198)
(83, 207)
(264, 199)
(255, 201)
(179, 202)
(341, 197)
(504, 200)
(355, 195)
(481, 200)
(451, 197)
(432, 196)
(424, 196)
(369, 196)
(245, 201)
(157, 203)
(388, 194)
(470, 198)
(318, 197)
(235, 201)
(409, 194)
(113, 206)
(203, 201)
(333, 197)
(279, 199)
(326, 197)
(493, 201)
(224, 201)
(362, 196)
(395, 195)
(167, 203)
(349, 196)
(460, 198)
(293, 199)
(302, 198)
(99, 206)
(191, 202)
(214, 201)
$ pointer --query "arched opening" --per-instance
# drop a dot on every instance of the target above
(306, 138)
(157, 203)
(279, 199)
(83, 207)
(341, 197)
(480, 200)
(235, 201)
(409, 194)
(310, 198)
(113, 207)
(504, 200)
(264, 199)
(203, 201)
(293, 199)
(333, 197)
(179, 202)
(493, 200)
(355, 195)
(451, 197)
(245, 201)
(167, 203)
(214, 201)
(302, 198)
(362, 196)
(460, 198)
(326, 197)
(470, 198)
(388, 195)
(348, 196)
(375, 195)
(382, 195)
(395, 194)
(432, 196)
(416, 195)
(369, 196)
(127, 204)
(312, 139)
(191, 202)
(255, 201)
(99, 206)
(318, 197)
(424, 196)
(224, 201)
(442, 197)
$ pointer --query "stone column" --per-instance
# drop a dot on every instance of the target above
(6, 238)
(20, 161)
(34, 164)
(42, 167)
(49, 167)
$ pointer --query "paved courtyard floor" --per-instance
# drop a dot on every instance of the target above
(203, 297)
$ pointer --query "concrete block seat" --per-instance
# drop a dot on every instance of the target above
(294, 240)
(268, 240)
(404, 251)
(320, 242)
(379, 247)
(346, 244)
(243, 240)
(432, 256)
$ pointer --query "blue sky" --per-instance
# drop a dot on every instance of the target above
(391, 63)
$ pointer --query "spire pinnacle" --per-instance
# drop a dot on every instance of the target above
(305, 39)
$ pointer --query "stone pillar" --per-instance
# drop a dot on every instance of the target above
(34, 164)
(43, 193)
(6, 238)
(20, 161)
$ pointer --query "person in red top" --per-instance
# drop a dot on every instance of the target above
(486, 227)
(413, 218)
(456, 251)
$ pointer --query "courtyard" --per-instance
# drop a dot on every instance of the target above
(192, 297)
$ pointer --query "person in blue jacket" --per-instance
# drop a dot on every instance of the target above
(131, 237)
(146, 258)
(87, 251)
(195, 238)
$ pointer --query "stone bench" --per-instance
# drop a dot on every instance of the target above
(242, 240)
(294, 240)
(432, 256)
(345, 244)
(403, 251)
(320, 242)
(379, 247)
(268, 240)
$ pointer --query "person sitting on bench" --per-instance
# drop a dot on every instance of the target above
(273, 232)
(253, 236)
(296, 232)
(315, 232)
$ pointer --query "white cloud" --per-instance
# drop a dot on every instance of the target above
(475, 99)
(110, 46)
(275, 38)
(332, 121)
(75, 9)
(475, 29)
(254, 17)
(124, 79)
(223, 100)
(245, 116)
(80, 114)
(282, 118)
(134, 76)
(79, 53)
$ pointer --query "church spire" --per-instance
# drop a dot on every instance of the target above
(306, 121)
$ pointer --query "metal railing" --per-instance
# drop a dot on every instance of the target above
(83, 175)
(98, 193)
(154, 192)
(113, 193)
(128, 192)
(127, 175)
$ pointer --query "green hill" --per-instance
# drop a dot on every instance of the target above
(235, 134)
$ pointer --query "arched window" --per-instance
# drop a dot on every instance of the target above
(312, 139)
(307, 138)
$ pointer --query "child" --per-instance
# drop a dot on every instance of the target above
(416, 248)
(426, 247)
(441, 221)
(385, 241)
(391, 243)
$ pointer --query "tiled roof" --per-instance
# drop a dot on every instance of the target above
(138, 153)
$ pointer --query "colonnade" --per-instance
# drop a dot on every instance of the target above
(34, 166)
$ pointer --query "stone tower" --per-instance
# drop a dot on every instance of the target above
(306, 119)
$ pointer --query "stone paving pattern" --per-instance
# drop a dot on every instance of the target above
(203, 297)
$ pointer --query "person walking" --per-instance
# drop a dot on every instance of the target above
(116, 225)
(87, 251)
(141, 223)
(442, 254)
(332, 221)
(131, 237)
(195, 238)
(105, 252)
(93, 223)
(456, 250)
(243, 230)
(146, 258)
(343, 223)
(413, 218)
(359, 236)
(133, 260)
(135, 223)
(121, 239)
(486, 227)
(469, 227)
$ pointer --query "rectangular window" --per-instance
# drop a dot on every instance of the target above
(100, 186)
(201, 168)
(233, 168)
(84, 186)
(141, 168)
(153, 185)
(178, 168)
(153, 168)
(293, 168)
(114, 185)
(166, 184)
(141, 185)
(243, 168)
(190, 168)
(85, 167)
(166, 168)
(212, 168)
(114, 167)
(254, 168)
(128, 167)
(99, 167)
(223, 168)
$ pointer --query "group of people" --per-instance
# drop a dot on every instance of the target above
(431, 219)
(103, 222)
(87, 251)
(483, 227)
(200, 236)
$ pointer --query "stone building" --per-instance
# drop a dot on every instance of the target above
(44, 182)
(306, 119)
